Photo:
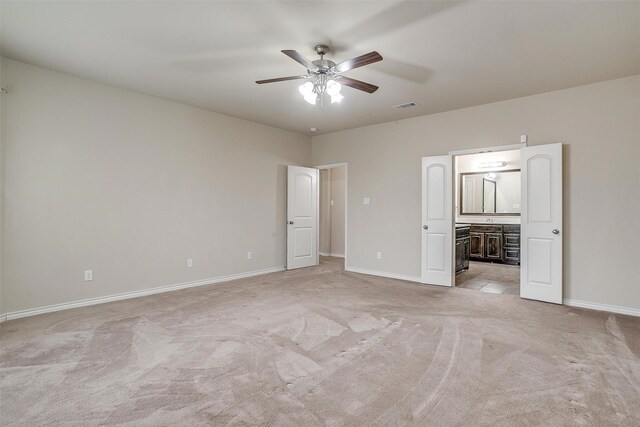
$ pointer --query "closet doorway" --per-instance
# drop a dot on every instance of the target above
(333, 212)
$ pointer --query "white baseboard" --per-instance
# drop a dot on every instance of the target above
(134, 294)
(331, 254)
(568, 302)
(384, 274)
(221, 279)
(602, 307)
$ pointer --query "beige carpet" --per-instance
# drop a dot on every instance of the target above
(319, 346)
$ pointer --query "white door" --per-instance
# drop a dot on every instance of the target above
(437, 220)
(302, 217)
(541, 246)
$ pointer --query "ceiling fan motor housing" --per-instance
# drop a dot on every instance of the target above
(324, 64)
(321, 49)
(324, 72)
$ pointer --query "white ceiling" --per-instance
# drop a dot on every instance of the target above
(442, 55)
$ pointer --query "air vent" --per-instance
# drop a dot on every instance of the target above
(405, 106)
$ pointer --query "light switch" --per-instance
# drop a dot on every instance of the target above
(332, 203)
(523, 137)
(365, 201)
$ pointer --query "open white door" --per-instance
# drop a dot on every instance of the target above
(302, 217)
(437, 220)
(541, 229)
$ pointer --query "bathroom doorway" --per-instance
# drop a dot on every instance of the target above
(487, 221)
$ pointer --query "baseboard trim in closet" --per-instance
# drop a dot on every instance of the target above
(330, 254)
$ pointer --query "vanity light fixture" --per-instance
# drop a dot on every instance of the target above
(486, 165)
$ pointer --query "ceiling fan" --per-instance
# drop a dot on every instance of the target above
(325, 76)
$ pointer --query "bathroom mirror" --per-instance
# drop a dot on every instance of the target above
(490, 193)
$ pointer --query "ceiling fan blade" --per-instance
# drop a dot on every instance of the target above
(296, 56)
(359, 61)
(280, 79)
(357, 84)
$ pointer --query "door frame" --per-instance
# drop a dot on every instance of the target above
(457, 153)
(346, 206)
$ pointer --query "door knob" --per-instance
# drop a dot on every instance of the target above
(291, 222)
(556, 231)
(425, 227)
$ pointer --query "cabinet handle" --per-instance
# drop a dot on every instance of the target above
(425, 227)
(556, 231)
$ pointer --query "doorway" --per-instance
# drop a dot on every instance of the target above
(332, 217)
(487, 193)
(314, 236)
(539, 241)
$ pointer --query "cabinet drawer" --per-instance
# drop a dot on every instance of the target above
(512, 240)
(462, 232)
(511, 228)
(511, 255)
(486, 228)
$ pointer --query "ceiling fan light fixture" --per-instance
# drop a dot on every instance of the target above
(323, 73)
(336, 98)
(333, 87)
(311, 98)
(333, 90)
(313, 90)
(306, 90)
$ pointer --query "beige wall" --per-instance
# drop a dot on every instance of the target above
(131, 186)
(3, 128)
(337, 210)
(599, 126)
(325, 211)
(332, 189)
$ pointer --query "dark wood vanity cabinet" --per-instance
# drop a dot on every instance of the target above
(486, 242)
(463, 248)
(495, 243)
(493, 246)
(476, 245)
(511, 246)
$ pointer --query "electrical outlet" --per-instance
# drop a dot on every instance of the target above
(88, 275)
(366, 201)
(523, 137)
(189, 262)
(332, 203)
(379, 255)
(249, 255)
